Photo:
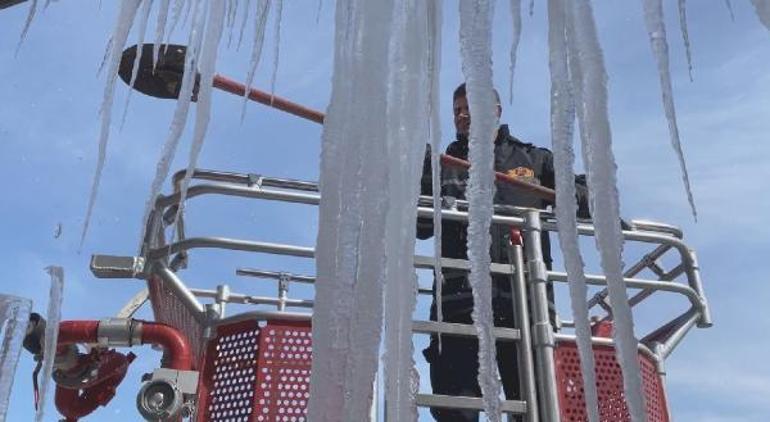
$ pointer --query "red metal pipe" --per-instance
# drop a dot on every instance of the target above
(74, 403)
(265, 98)
(174, 343)
(299, 110)
(538, 190)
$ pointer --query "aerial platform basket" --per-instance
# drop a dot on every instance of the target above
(255, 365)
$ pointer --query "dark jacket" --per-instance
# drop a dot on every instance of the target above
(512, 157)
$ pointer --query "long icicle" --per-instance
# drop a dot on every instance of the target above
(207, 65)
(587, 69)
(653, 19)
(144, 17)
(516, 29)
(53, 316)
(179, 120)
(14, 318)
(435, 17)
(276, 45)
(27, 24)
(160, 30)
(350, 251)
(475, 49)
(409, 101)
(260, 21)
(685, 34)
(128, 9)
(562, 131)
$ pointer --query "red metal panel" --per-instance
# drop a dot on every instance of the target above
(226, 391)
(254, 373)
(283, 382)
(609, 383)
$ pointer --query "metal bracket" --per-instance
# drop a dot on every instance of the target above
(111, 266)
(119, 332)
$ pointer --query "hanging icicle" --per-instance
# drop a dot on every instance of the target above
(685, 34)
(276, 45)
(350, 250)
(562, 131)
(14, 317)
(435, 16)
(516, 28)
(653, 19)
(587, 69)
(476, 52)
(128, 9)
(53, 317)
(260, 21)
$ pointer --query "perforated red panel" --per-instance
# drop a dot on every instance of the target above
(229, 377)
(609, 383)
(284, 372)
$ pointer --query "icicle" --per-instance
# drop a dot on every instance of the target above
(730, 9)
(409, 101)
(562, 130)
(144, 17)
(179, 120)
(476, 53)
(160, 29)
(128, 9)
(763, 11)
(243, 23)
(653, 18)
(685, 34)
(27, 24)
(350, 251)
(260, 20)
(232, 11)
(207, 65)
(516, 28)
(531, 7)
(107, 50)
(276, 45)
(435, 16)
(176, 16)
(587, 69)
(53, 317)
(14, 317)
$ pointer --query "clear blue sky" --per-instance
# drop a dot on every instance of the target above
(50, 96)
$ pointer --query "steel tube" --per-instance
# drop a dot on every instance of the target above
(255, 300)
(182, 293)
(526, 364)
(543, 331)
(464, 330)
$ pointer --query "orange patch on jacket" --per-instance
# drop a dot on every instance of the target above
(521, 172)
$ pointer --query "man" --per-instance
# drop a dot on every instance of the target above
(454, 370)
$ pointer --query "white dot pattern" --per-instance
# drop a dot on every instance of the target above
(257, 374)
(233, 371)
(283, 379)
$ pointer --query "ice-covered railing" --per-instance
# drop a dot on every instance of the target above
(176, 303)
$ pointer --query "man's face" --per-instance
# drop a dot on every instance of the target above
(462, 116)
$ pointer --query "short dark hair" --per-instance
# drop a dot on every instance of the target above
(460, 92)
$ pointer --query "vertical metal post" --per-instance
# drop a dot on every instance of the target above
(223, 296)
(526, 366)
(542, 335)
(283, 290)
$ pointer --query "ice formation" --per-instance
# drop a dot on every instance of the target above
(587, 69)
(562, 131)
(476, 54)
(516, 29)
(14, 317)
(682, 4)
(653, 18)
(53, 316)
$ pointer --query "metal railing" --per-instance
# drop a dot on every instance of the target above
(529, 278)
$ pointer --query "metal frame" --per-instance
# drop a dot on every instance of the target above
(537, 337)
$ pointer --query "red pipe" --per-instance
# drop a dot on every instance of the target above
(74, 403)
(262, 97)
(174, 343)
(299, 110)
